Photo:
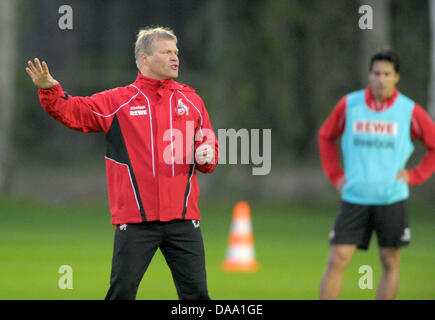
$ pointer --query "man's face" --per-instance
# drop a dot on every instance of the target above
(163, 63)
(383, 79)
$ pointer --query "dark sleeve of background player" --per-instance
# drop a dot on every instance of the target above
(329, 132)
(423, 129)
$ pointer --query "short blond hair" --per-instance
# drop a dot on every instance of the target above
(145, 39)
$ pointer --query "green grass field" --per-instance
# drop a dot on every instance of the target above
(290, 244)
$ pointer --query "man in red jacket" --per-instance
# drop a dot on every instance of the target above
(158, 133)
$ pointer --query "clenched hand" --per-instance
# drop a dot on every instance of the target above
(40, 75)
(204, 154)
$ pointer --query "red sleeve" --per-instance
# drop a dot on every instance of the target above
(330, 131)
(423, 129)
(206, 135)
(80, 113)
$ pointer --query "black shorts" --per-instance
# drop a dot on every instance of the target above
(355, 224)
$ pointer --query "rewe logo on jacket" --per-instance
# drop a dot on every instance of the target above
(138, 111)
(375, 127)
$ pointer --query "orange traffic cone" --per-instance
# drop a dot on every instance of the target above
(240, 252)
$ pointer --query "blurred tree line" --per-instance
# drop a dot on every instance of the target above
(257, 64)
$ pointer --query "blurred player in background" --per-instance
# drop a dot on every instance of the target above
(376, 126)
(153, 189)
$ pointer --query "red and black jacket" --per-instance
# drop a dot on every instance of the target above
(152, 128)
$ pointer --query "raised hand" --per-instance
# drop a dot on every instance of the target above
(40, 75)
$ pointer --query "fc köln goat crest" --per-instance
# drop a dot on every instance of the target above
(182, 108)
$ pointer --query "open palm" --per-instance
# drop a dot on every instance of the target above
(40, 75)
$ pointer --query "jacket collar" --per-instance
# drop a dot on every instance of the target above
(146, 83)
(374, 105)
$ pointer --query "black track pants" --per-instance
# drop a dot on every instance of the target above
(181, 243)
